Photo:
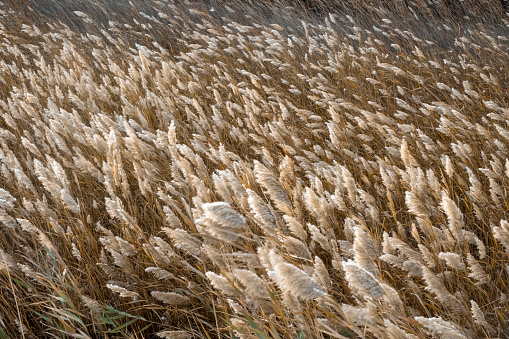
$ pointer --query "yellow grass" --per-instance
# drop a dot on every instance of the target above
(253, 170)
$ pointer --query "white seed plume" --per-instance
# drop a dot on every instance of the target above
(365, 252)
(362, 280)
(453, 260)
(221, 283)
(261, 212)
(160, 273)
(255, 286)
(477, 271)
(294, 280)
(273, 187)
(222, 214)
(170, 298)
(222, 221)
(296, 227)
(454, 216)
(122, 291)
(502, 233)
(436, 286)
(6, 199)
(441, 328)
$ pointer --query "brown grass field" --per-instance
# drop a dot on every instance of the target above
(246, 169)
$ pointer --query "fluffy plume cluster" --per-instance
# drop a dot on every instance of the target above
(181, 169)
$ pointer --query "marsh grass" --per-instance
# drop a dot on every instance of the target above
(254, 170)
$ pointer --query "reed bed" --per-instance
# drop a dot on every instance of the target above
(251, 170)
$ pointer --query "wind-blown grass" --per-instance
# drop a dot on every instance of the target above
(214, 170)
